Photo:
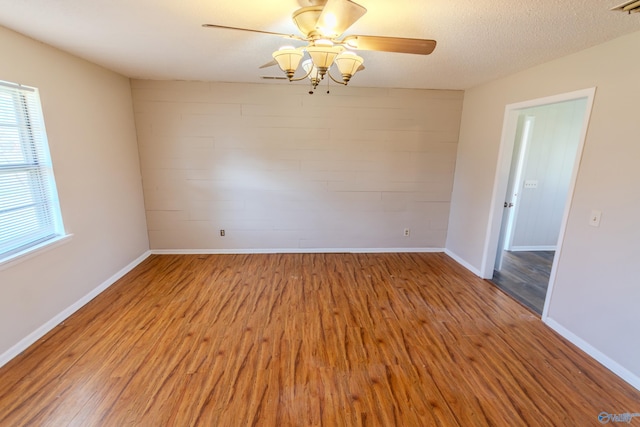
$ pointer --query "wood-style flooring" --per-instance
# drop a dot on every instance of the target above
(306, 340)
(525, 276)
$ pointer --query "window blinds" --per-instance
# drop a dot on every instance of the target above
(29, 208)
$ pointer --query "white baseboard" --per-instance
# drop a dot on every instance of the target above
(531, 248)
(291, 251)
(463, 263)
(603, 359)
(34, 336)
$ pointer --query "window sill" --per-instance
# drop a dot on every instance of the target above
(33, 251)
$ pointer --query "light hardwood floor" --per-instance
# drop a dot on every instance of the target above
(305, 340)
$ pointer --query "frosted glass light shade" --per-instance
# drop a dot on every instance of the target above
(323, 57)
(348, 63)
(288, 60)
(312, 71)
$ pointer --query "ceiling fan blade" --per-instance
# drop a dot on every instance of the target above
(390, 44)
(337, 16)
(224, 27)
(269, 64)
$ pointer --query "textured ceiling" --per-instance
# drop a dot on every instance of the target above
(478, 40)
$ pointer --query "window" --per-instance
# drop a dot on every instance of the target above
(29, 208)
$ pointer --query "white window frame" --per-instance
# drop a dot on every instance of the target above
(30, 215)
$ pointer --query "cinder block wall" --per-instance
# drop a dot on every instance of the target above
(279, 169)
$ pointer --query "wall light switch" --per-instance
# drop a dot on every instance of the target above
(531, 183)
(594, 219)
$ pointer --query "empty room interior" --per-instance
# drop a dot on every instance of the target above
(319, 213)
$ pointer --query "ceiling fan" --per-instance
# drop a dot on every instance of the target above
(322, 24)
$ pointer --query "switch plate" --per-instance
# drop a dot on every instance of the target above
(531, 183)
(594, 219)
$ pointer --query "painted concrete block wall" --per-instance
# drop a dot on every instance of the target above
(89, 120)
(597, 288)
(277, 168)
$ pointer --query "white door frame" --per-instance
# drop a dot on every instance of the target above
(502, 177)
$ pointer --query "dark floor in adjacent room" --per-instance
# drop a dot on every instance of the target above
(525, 276)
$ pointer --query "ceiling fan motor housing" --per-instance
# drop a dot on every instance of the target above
(306, 19)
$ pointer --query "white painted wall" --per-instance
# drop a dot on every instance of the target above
(597, 286)
(551, 154)
(89, 119)
(279, 169)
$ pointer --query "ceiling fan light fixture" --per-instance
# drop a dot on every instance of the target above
(348, 63)
(288, 59)
(312, 72)
(323, 24)
(323, 57)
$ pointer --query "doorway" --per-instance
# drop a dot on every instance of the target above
(539, 157)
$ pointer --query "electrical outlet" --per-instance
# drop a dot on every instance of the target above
(407, 232)
(221, 233)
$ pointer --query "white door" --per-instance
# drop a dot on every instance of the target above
(509, 215)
